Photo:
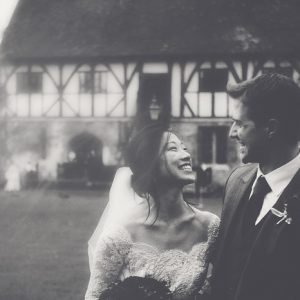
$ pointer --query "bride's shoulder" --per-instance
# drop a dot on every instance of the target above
(116, 234)
(208, 223)
(206, 218)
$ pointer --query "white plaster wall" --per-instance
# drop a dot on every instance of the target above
(206, 104)
(175, 90)
(155, 68)
(238, 67)
(132, 93)
(81, 103)
(188, 69)
(49, 87)
(100, 105)
(118, 69)
(85, 105)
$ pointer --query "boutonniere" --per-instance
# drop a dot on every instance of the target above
(291, 211)
(283, 215)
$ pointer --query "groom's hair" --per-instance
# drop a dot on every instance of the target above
(271, 96)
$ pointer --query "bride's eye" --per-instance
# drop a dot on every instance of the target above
(173, 148)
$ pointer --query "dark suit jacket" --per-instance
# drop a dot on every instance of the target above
(272, 270)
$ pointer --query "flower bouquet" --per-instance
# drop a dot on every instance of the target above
(137, 288)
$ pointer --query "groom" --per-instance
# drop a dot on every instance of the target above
(258, 254)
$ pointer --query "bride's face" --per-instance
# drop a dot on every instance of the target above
(175, 161)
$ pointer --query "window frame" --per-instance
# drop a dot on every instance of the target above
(212, 141)
(89, 82)
(212, 73)
(85, 83)
(102, 87)
(29, 82)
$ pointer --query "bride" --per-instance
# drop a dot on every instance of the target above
(147, 228)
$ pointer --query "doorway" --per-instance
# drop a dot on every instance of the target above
(84, 159)
(154, 103)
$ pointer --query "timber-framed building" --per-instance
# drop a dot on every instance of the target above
(86, 68)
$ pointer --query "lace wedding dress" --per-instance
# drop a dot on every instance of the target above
(117, 257)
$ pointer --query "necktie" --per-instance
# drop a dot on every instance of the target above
(254, 205)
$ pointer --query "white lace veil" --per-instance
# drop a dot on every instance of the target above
(123, 206)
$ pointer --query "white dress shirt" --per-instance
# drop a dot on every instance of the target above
(278, 180)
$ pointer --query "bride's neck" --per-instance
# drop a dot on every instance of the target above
(171, 204)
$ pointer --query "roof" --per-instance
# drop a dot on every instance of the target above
(138, 28)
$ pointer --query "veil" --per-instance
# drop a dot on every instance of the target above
(123, 206)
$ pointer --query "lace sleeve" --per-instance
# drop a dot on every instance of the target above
(109, 259)
(213, 231)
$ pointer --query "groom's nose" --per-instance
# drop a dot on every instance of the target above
(233, 131)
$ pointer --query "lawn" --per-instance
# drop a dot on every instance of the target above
(43, 235)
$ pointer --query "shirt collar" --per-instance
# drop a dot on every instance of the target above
(279, 178)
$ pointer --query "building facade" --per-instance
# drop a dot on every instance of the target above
(56, 89)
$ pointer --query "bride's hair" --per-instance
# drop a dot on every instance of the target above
(143, 156)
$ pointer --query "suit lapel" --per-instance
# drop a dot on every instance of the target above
(234, 195)
(270, 232)
(292, 189)
(234, 198)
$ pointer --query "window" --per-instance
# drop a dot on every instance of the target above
(86, 82)
(29, 82)
(213, 100)
(213, 145)
(100, 81)
(213, 80)
(207, 97)
(287, 71)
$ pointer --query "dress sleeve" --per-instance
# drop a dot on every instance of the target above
(213, 231)
(109, 260)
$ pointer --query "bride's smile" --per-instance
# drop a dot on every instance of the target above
(175, 161)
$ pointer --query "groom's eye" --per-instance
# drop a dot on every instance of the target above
(239, 124)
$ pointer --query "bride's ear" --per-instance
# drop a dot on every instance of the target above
(272, 128)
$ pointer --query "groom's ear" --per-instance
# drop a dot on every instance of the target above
(272, 128)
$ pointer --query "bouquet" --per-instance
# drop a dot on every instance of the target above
(137, 288)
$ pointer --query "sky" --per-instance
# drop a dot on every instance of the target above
(6, 9)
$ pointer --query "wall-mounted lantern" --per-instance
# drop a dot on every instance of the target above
(154, 108)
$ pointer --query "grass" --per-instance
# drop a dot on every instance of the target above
(43, 238)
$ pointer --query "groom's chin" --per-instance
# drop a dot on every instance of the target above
(245, 158)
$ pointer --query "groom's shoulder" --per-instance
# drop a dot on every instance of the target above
(241, 171)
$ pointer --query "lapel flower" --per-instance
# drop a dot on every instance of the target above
(291, 211)
(283, 215)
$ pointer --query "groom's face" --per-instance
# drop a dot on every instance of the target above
(251, 139)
